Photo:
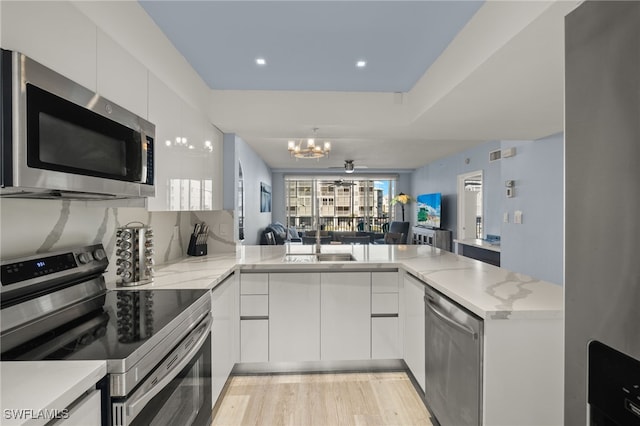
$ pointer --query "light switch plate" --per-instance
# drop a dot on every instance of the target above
(517, 216)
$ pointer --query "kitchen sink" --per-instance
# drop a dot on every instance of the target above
(322, 257)
(335, 257)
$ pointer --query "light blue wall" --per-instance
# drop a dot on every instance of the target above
(534, 247)
(442, 176)
(255, 170)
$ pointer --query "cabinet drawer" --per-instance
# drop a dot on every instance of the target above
(384, 282)
(254, 284)
(254, 305)
(384, 303)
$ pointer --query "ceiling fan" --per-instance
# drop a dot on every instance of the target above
(349, 167)
(342, 182)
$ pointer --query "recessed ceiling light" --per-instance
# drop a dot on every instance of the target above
(261, 61)
(361, 64)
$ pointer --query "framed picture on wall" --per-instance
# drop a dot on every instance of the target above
(265, 197)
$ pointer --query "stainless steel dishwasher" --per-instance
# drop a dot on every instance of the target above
(453, 361)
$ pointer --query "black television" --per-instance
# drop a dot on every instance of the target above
(429, 210)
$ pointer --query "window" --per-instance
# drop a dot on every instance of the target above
(340, 205)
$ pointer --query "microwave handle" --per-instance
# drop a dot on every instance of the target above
(136, 403)
(143, 158)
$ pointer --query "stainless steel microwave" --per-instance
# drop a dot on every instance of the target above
(62, 140)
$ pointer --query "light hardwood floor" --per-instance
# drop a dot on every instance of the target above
(321, 399)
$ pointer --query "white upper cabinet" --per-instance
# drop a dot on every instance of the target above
(121, 78)
(188, 154)
(55, 33)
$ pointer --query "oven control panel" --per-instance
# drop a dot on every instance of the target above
(48, 265)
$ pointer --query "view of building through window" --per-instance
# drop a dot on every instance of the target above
(340, 204)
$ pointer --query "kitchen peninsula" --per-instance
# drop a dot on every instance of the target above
(522, 317)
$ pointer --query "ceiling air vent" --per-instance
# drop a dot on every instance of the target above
(495, 155)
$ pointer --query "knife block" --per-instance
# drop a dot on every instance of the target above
(195, 248)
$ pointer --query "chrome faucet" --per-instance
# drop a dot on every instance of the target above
(318, 241)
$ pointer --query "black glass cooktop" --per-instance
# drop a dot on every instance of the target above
(128, 319)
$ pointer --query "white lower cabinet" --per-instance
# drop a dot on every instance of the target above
(224, 332)
(414, 321)
(294, 317)
(254, 317)
(85, 413)
(385, 338)
(254, 340)
(345, 316)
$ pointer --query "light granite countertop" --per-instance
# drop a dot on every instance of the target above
(490, 292)
(36, 386)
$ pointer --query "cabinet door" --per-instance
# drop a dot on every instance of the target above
(120, 77)
(385, 338)
(294, 317)
(414, 317)
(346, 316)
(86, 413)
(164, 112)
(54, 33)
(254, 340)
(224, 340)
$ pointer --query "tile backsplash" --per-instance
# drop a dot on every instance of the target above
(39, 226)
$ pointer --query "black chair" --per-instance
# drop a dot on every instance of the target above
(356, 240)
(400, 228)
(312, 240)
(396, 228)
(395, 238)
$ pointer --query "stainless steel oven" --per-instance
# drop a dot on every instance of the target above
(157, 343)
(61, 139)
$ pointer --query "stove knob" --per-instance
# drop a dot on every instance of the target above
(84, 258)
(99, 254)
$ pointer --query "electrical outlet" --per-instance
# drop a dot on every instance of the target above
(176, 232)
(505, 217)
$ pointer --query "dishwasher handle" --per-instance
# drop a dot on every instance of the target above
(444, 317)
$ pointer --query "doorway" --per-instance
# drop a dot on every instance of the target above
(470, 206)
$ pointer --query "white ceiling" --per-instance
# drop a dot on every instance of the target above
(441, 76)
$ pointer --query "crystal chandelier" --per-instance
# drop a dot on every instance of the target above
(311, 150)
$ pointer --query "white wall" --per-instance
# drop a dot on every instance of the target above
(255, 171)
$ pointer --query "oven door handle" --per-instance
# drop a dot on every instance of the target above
(168, 370)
